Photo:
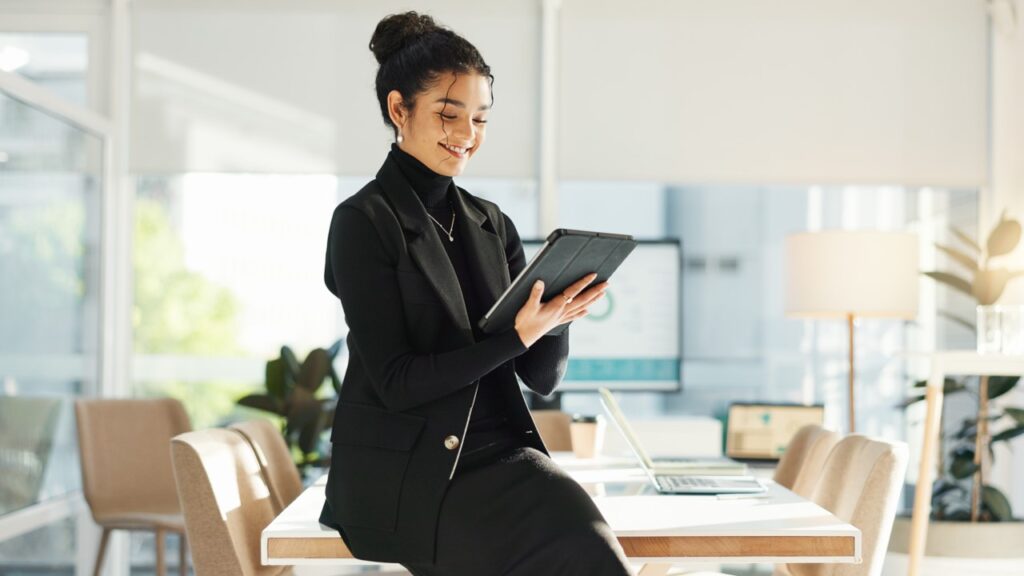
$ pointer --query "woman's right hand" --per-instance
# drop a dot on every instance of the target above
(536, 319)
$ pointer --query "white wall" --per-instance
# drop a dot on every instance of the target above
(286, 87)
(796, 92)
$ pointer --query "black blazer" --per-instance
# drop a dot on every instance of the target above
(395, 441)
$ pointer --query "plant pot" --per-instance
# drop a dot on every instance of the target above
(977, 548)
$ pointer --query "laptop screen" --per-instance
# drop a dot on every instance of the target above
(762, 431)
(619, 419)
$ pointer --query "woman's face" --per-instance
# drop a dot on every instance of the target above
(446, 128)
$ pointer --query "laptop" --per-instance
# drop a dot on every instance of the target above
(761, 432)
(675, 482)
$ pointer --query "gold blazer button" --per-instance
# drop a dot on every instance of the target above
(451, 442)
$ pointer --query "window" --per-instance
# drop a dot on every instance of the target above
(737, 344)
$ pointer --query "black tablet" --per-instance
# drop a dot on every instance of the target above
(566, 256)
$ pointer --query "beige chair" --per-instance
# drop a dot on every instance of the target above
(226, 501)
(127, 478)
(860, 484)
(800, 466)
(553, 426)
(275, 460)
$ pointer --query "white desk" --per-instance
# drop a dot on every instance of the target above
(963, 362)
(655, 529)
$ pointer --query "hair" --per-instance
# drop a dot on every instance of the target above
(414, 52)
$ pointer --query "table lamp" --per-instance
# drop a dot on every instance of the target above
(849, 274)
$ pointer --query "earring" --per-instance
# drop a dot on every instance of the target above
(399, 136)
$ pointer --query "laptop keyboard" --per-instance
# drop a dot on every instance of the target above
(680, 482)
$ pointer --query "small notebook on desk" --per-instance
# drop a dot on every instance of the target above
(566, 256)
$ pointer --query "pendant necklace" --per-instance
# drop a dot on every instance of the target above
(451, 228)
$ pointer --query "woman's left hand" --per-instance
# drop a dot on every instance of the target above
(536, 319)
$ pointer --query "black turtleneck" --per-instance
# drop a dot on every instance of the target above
(431, 187)
(489, 432)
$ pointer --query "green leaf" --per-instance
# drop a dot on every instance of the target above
(948, 385)
(910, 400)
(999, 385)
(996, 503)
(309, 436)
(967, 430)
(1016, 413)
(335, 381)
(1004, 237)
(943, 486)
(314, 370)
(1008, 434)
(263, 402)
(335, 348)
(952, 280)
(963, 467)
(965, 238)
(303, 407)
(967, 261)
(291, 362)
(275, 379)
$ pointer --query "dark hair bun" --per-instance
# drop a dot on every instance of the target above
(397, 31)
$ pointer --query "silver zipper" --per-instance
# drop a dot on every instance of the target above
(462, 442)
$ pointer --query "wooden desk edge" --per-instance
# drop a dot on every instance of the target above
(281, 549)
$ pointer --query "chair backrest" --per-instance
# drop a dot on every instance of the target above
(225, 500)
(125, 453)
(860, 484)
(800, 466)
(553, 426)
(275, 459)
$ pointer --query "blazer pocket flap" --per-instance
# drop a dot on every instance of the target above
(362, 425)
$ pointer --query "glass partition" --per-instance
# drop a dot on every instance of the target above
(50, 205)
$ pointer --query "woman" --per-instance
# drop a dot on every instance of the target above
(437, 464)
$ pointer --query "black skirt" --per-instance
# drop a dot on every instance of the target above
(511, 510)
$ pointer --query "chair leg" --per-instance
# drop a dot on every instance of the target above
(161, 570)
(182, 554)
(101, 552)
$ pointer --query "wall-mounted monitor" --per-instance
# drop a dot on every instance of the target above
(631, 340)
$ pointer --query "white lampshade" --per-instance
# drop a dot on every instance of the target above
(835, 273)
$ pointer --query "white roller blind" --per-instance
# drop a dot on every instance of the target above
(285, 87)
(787, 91)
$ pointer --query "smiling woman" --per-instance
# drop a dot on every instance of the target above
(454, 129)
(450, 128)
(437, 463)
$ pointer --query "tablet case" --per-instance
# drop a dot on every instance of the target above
(566, 256)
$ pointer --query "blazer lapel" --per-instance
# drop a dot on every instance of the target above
(484, 249)
(483, 246)
(425, 244)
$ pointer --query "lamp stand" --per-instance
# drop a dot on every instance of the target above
(849, 323)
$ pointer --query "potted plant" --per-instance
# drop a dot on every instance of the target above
(292, 394)
(970, 518)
